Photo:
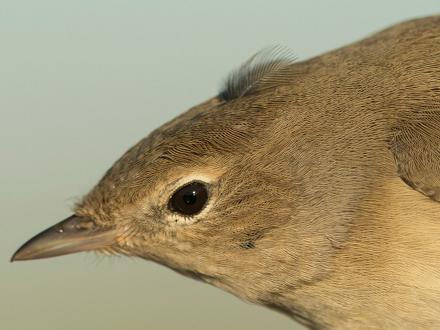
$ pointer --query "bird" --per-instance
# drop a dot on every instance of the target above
(310, 187)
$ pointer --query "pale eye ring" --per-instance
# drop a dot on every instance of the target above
(189, 199)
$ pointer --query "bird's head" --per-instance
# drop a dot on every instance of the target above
(216, 194)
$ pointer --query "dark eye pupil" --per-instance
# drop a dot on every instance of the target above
(189, 199)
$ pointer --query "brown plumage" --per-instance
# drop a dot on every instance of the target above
(321, 180)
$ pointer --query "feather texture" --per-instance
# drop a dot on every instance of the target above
(264, 70)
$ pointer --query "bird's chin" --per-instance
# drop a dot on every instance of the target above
(194, 274)
(198, 276)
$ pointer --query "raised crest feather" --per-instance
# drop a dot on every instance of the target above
(265, 69)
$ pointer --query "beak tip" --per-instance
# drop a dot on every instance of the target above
(24, 252)
(18, 256)
(14, 257)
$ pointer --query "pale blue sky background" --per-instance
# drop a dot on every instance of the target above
(80, 82)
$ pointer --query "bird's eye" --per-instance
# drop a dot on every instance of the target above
(189, 199)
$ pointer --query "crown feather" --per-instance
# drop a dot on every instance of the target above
(266, 69)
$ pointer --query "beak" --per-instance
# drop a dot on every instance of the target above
(74, 234)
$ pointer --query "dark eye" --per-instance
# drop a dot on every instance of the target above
(189, 199)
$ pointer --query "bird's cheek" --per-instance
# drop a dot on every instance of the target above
(157, 245)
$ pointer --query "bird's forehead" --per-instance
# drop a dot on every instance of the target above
(212, 129)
